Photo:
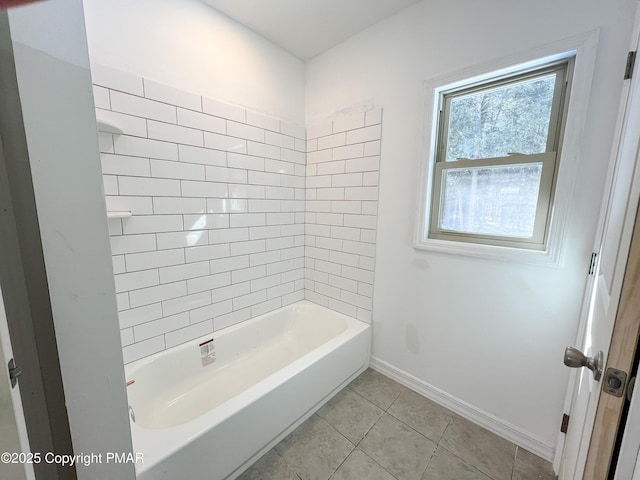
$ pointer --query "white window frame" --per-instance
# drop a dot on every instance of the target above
(583, 49)
(563, 71)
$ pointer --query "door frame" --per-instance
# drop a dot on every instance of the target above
(621, 356)
(23, 278)
(623, 184)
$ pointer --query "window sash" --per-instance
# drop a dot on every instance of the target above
(553, 136)
(542, 217)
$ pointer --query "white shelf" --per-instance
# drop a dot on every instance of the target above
(105, 124)
(118, 214)
(108, 127)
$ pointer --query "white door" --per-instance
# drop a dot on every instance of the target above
(13, 431)
(603, 292)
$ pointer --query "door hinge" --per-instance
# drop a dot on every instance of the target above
(15, 372)
(631, 61)
(592, 263)
(565, 423)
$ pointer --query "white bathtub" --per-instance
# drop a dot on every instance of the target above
(196, 421)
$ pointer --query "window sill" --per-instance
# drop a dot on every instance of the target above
(549, 257)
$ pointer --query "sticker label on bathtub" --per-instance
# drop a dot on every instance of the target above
(207, 352)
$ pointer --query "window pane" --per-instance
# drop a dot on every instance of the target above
(499, 200)
(495, 122)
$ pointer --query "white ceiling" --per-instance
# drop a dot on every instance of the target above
(307, 28)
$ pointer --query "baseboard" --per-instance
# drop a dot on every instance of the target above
(490, 422)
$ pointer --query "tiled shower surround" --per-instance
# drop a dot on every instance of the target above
(219, 232)
(343, 159)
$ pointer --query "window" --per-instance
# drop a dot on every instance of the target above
(496, 156)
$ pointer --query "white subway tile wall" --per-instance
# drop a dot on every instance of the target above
(217, 196)
(234, 213)
(343, 161)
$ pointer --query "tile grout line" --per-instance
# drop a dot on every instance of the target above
(403, 423)
(445, 431)
(442, 436)
(345, 458)
(339, 433)
(430, 459)
(433, 454)
(285, 462)
(437, 443)
(366, 433)
(377, 463)
(419, 433)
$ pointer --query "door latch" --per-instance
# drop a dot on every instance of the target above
(614, 382)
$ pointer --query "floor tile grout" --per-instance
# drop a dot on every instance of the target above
(377, 463)
(383, 390)
(396, 418)
(288, 464)
(489, 476)
(445, 430)
(429, 461)
(363, 437)
(339, 433)
(355, 447)
(342, 463)
(368, 430)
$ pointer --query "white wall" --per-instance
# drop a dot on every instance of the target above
(189, 45)
(52, 68)
(486, 332)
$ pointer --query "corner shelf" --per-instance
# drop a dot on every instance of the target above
(125, 214)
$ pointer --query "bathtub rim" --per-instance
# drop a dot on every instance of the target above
(131, 367)
(199, 426)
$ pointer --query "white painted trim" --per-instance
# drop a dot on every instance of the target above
(486, 420)
(584, 47)
(13, 395)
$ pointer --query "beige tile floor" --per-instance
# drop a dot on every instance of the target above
(377, 429)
